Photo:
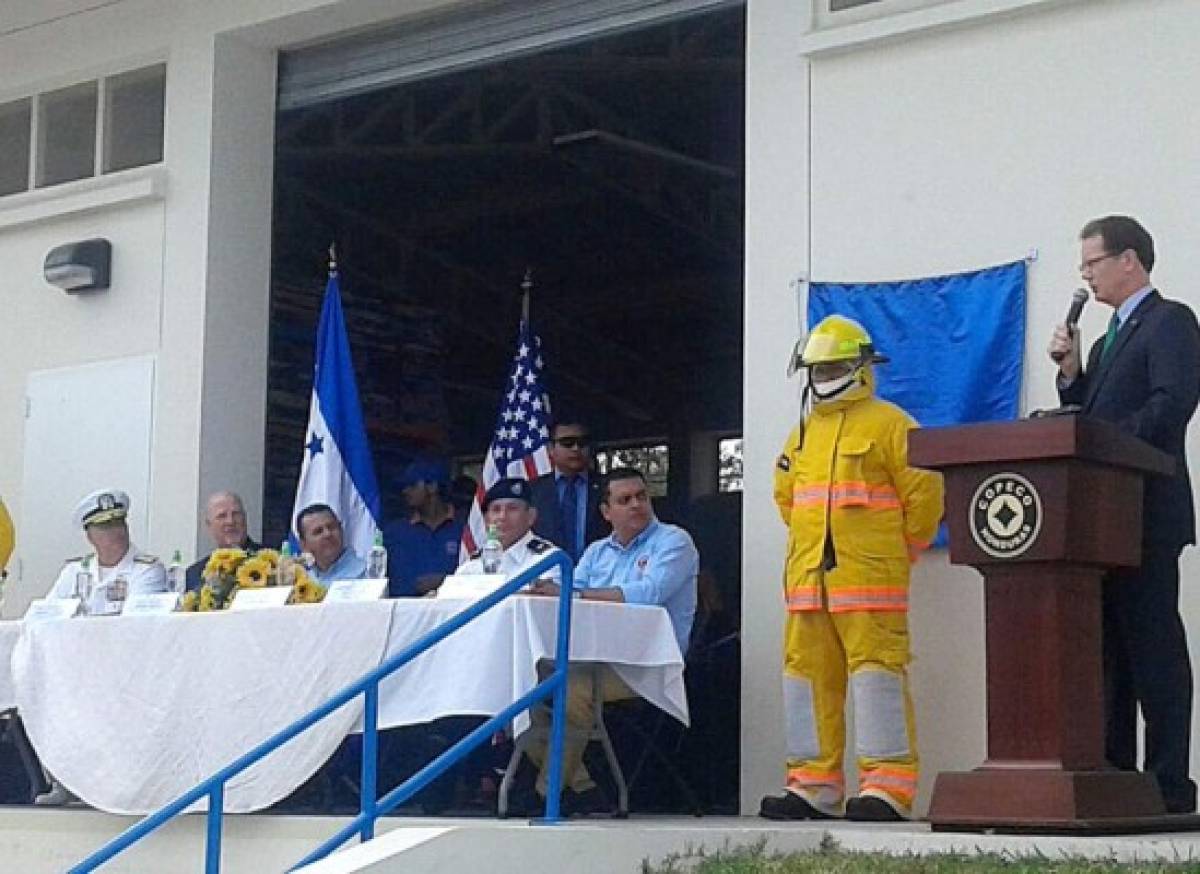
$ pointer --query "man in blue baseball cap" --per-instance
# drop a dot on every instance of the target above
(422, 547)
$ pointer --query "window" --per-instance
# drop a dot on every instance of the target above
(134, 118)
(15, 121)
(729, 460)
(67, 134)
(653, 461)
(122, 114)
(837, 13)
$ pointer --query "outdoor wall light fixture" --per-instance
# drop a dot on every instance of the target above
(81, 266)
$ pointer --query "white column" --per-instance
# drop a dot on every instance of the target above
(777, 234)
(238, 292)
(210, 404)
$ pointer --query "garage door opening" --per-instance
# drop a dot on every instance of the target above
(609, 169)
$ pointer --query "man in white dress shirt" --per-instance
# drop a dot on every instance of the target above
(508, 505)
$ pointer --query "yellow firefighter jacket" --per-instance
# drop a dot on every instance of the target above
(844, 478)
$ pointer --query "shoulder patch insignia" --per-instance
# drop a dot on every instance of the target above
(784, 463)
(537, 545)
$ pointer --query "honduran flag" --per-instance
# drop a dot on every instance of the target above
(337, 468)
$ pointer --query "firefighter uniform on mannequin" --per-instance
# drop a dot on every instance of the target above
(7, 540)
(857, 516)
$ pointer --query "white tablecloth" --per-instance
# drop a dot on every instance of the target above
(491, 662)
(10, 631)
(131, 712)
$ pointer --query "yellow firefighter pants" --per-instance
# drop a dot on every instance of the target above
(868, 652)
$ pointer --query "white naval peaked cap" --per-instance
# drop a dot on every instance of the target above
(103, 505)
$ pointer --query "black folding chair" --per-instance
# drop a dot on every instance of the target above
(597, 732)
(669, 758)
(14, 733)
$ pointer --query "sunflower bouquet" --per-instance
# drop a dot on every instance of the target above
(229, 570)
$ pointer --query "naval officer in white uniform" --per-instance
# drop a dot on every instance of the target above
(119, 569)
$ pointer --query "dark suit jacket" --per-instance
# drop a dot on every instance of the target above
(549, 521)
(194, 570)
(1149, 387)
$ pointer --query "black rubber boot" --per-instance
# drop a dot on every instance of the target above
(867, 808)
(789, 805)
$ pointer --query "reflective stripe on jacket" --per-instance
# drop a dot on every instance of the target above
(844, 476)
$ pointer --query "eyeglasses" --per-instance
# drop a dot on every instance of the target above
(573, 442)
(1092, 262)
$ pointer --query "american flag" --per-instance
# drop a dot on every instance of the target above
(520, 442)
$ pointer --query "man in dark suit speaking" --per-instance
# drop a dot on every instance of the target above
(1143, 375)
(568, 498)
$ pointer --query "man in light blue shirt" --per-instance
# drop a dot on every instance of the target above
(321, 537)
(643, 561)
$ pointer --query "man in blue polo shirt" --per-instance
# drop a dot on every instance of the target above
(643, 561)
(423, 548)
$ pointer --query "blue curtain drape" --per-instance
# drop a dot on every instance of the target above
(956, 343)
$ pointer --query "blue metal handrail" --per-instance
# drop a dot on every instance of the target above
(371, 808)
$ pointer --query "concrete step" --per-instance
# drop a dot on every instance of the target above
(49, 841)
(41, 841)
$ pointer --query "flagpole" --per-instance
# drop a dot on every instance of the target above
(519, 445)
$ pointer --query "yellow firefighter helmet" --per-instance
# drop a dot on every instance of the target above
(838, 340)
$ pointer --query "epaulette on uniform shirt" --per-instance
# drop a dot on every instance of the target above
(476, 554)
(143, 558)
(77, 558)
(538, 546)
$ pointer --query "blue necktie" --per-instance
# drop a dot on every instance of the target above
(568, 509)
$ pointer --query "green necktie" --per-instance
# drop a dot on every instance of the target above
(1110, 338)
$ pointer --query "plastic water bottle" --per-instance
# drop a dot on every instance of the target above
(285, 574)
(377, 560)
(176, 574)
(492, 551)
(84, 583)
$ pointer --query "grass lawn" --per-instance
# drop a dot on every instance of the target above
(832, 860)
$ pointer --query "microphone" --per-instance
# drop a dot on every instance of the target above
(1078, 298)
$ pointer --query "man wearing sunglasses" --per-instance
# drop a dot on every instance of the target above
(567, 499)
(1143, 375)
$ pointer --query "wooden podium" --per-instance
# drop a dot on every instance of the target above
(1043, 508)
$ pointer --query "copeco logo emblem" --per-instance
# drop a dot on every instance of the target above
(1006, 515)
